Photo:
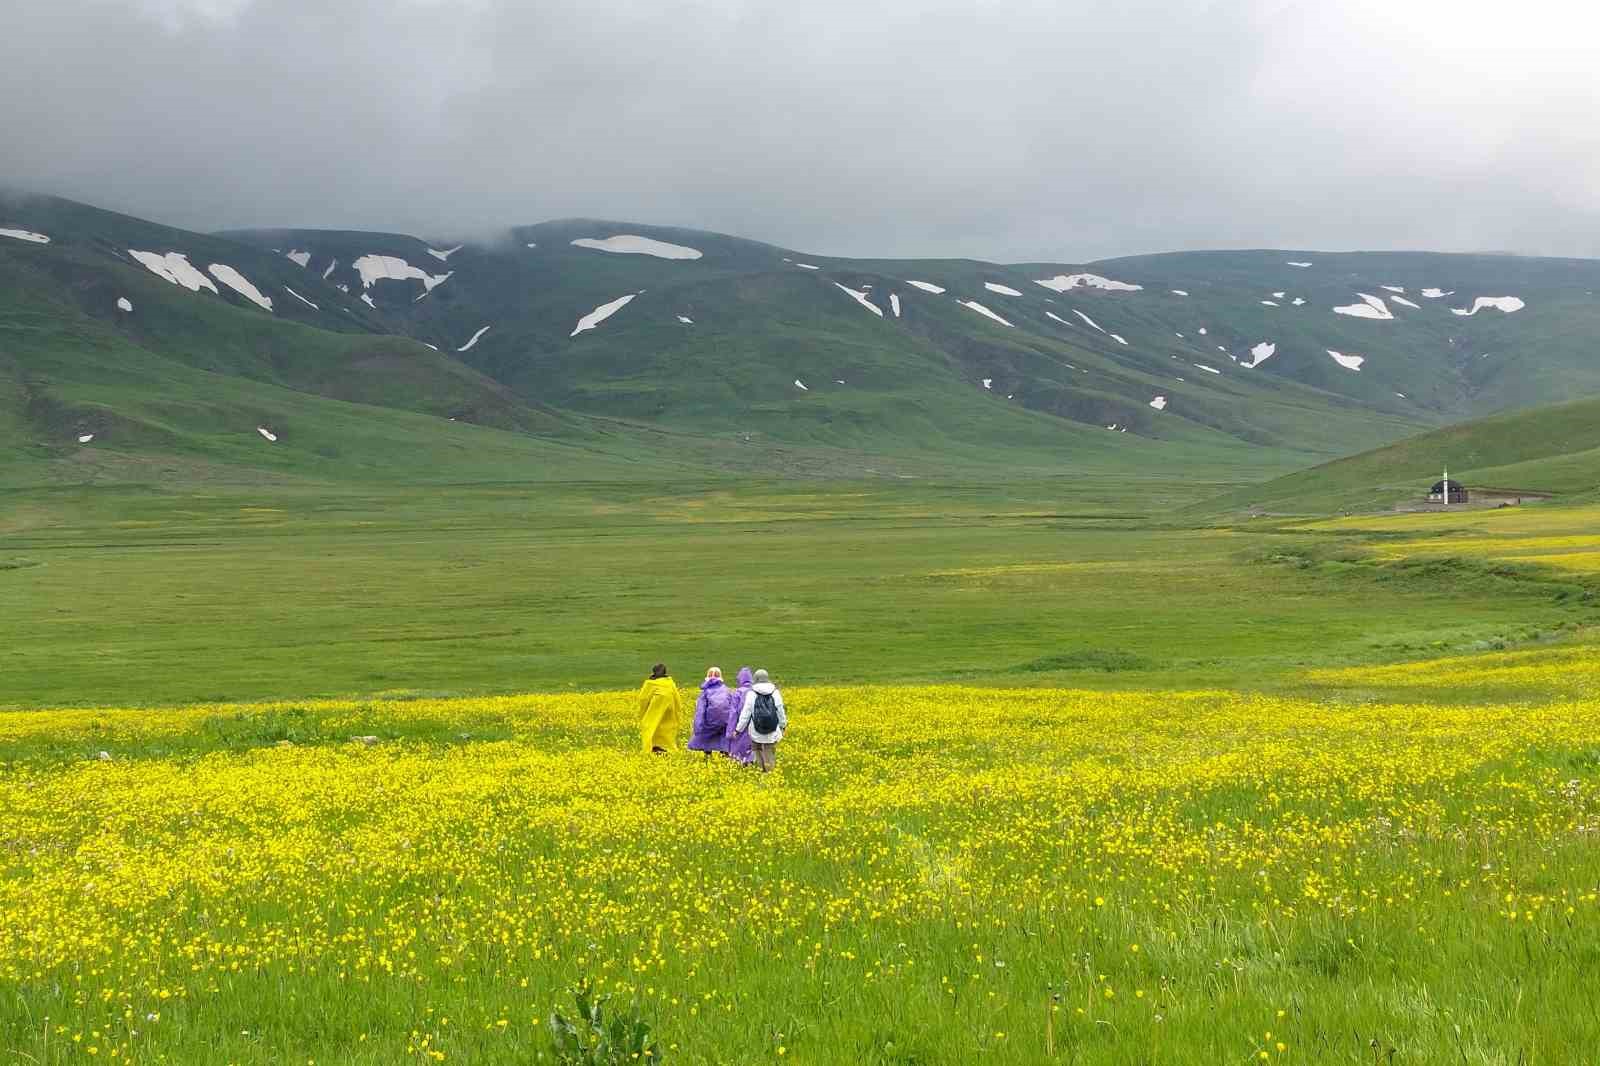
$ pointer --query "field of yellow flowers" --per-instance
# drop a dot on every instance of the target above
(933, 875)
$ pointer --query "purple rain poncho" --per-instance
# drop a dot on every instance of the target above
(740, 745)
(715, 708)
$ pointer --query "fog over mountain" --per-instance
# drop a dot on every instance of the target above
(1033, 129)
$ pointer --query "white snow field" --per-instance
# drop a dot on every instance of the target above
(926, 286)
(1261, 353)
(25, 235)
(267, 433)
(1179, 292)
(601, 313)
(446, 254)
(800, 385)
(174, 267)
(1293, 263)
(631, 244)
(860, 297)
(240, 284)
(894, 303)
(1063, 282)
(1349, 362)
(1159, 403)
(1003, 290)
(1370, 307)
(1434, 294)
(974, 305)
(374, 268)
(298, 258)
(473, 339)
(302, 299)
(125, 304)
(1207, 369)
(1403, 302)
(1092, 323)
(1507, 304)
(85, 438)
(686, 320)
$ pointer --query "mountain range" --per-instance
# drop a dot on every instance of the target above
(132, 351)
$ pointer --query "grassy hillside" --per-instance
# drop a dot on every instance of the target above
(1553, 449)
(754, 357)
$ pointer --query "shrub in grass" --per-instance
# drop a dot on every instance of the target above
(587, 1038)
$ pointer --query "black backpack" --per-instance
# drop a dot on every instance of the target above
(765, 718)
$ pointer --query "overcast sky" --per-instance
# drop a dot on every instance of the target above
(1027, 129)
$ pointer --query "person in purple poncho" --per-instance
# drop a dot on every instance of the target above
(713, 710)
(740, 746)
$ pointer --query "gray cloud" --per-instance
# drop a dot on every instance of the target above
(1030, 129)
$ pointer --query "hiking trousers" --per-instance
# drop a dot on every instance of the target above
(766, 756)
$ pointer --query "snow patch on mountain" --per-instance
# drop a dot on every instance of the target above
(473, 339)
(298, 258)
(1293, 263)
(632, 244)
(240, 284)
(1434, 294)
(988, 383)
(1159, 403)
(1063, 282)
(374, 268)
(1298, 301)
(974, 305)
(302, 299)
(1179, 292)
(926, 286)
(331, 268)
(1507, 304)
(1370, 307)
(85, 438)
(1268, 303)
(124, 304)
(1403, 302)
(1092, 323)
(894, 303)
(368, 301)
(174, 267)
(1119, 338)
(25, 235)
(860, 297)
(1207, 369)
(446, 254)
(601, 313)
(1349, 362)
(267, 433)
(1393, 288)
(1260, 354)
(1003, 290)
(686, 320)
(800, 385)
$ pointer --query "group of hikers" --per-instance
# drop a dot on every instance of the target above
(744, 723)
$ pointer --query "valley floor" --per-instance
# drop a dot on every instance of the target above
(1069, 780)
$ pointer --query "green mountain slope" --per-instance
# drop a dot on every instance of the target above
(1553, 449)
(583, 329)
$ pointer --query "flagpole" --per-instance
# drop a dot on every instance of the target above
(1447, 486)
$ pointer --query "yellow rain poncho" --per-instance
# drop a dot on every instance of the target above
(660, 711)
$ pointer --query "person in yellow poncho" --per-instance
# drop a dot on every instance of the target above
(660, 710)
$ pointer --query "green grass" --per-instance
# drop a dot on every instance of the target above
(137, 596)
